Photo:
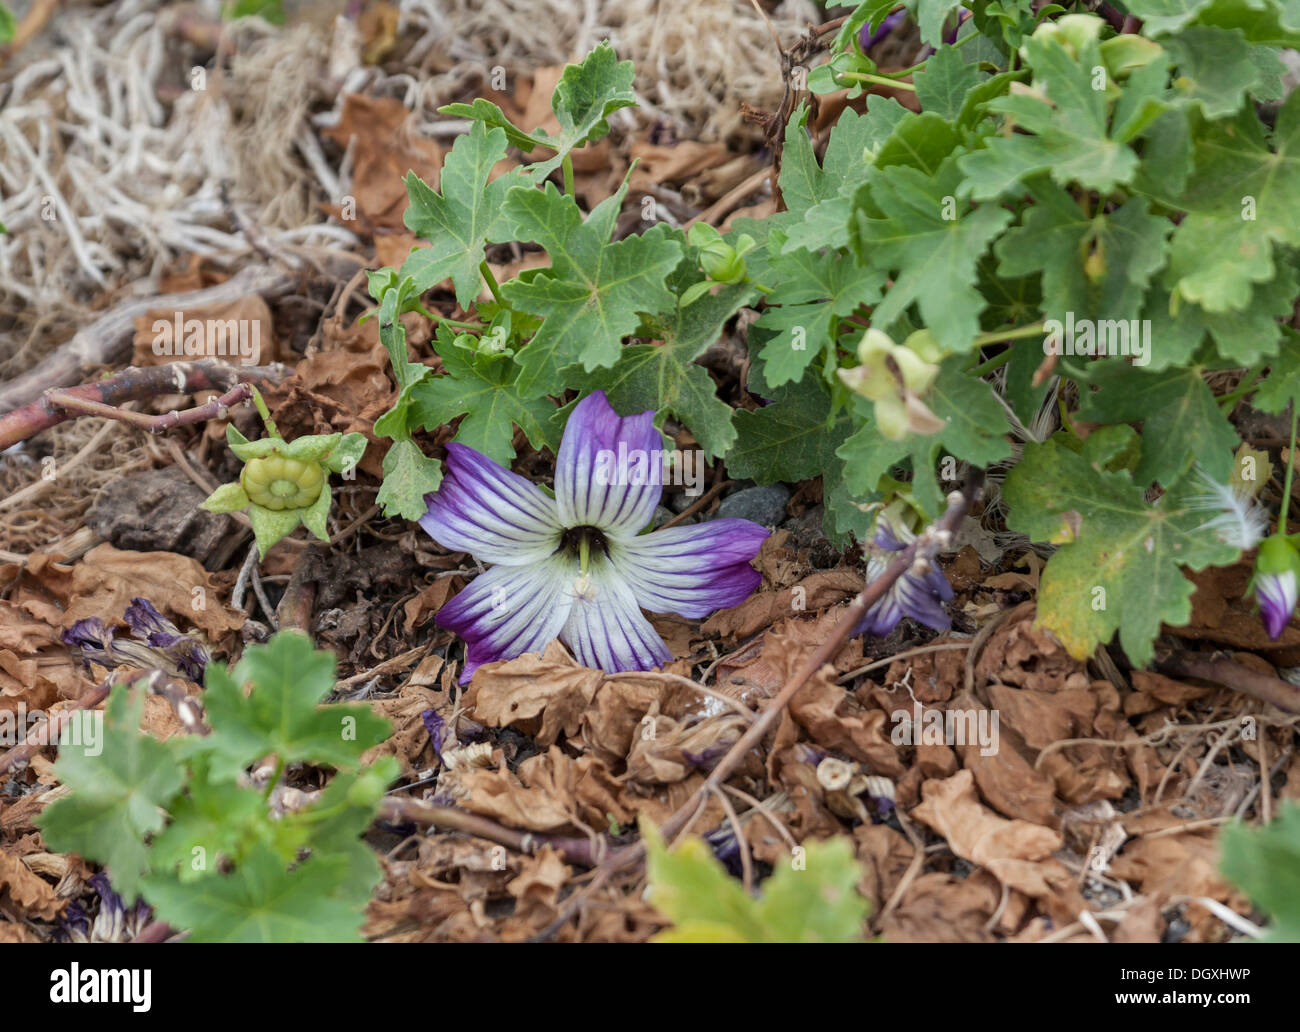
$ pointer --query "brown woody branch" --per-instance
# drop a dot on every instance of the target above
(134, 384)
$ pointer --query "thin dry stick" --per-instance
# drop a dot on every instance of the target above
(698, 504)
(888, 660)
(1282, 694)
(48, 733)
(399, 809)
(742, 843)
(924, 548)
(32, 490)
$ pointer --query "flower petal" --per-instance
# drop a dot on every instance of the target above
(1276, 594)
(609, 472)
(691, 570)
(508, 611)
(493, 514)
(605, 627)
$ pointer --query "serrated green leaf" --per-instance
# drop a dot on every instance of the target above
(1243, 196)
(1265, 863)
(590, 297)
(791, 439)
(212, 822)
(281, 715)
(1056, 238)
(483, 110)
(932, 243)
(665, 377)
(262, 902)
(1282, 385)
(586, 95)
(1120, 568)
(942, 85)
(817, 901)
(459, 221)
(482, 387)
(815, 289)
(1181, 423)
(1068, 128)
(121, 786)
(1216, 68)
(819, 198)
(409, 475)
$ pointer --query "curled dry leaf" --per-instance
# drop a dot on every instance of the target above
(1018, 852)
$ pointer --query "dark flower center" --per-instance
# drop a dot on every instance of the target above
(572, 539)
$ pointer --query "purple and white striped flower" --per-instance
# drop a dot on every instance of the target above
(918, 595)
(1276, 582)
(576, 567)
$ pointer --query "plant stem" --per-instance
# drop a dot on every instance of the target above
(567, 165)
(880, 80)
(1245, 387)
(996, 362)
(265, 413)
(997, 336)
(1290, 470)
(491, 282)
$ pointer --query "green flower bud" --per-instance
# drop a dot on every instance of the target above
(277, 482)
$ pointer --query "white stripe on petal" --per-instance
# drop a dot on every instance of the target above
(508, 611)
(606, 629)
(609, 471)
(691, 570)
(493, 514)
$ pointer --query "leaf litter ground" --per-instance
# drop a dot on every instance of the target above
(1096, 817)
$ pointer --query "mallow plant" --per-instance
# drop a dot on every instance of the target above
(1069, 264)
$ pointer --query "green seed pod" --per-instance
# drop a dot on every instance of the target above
(721, 263)
(277, 483)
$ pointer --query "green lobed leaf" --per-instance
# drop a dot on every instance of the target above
(592, 294)
(814, 901)
(481, 386)
(121, 785)
(587, 94)
(932, 243)
(1181, 422)
(459, 221)
(1265, 863)
(262, 902)
(665, 376)
(409, 475)
(282, 715)
(1119, 567)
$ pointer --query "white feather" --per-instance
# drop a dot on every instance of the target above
(1240, 522)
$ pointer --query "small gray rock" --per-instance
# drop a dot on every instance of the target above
(762, 505)
(662, 515)
(158, 511)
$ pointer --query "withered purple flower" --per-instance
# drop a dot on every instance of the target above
(576, 567)
(157, 643)
(918, 595)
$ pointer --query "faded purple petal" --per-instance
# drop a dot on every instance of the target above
(868, 39)
(436, 727)
(144, 621)
(605, 628)
(609, 471)
(920, 596)
(691, 570)
(510, 610)
(495, 515)
(1276, 594)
